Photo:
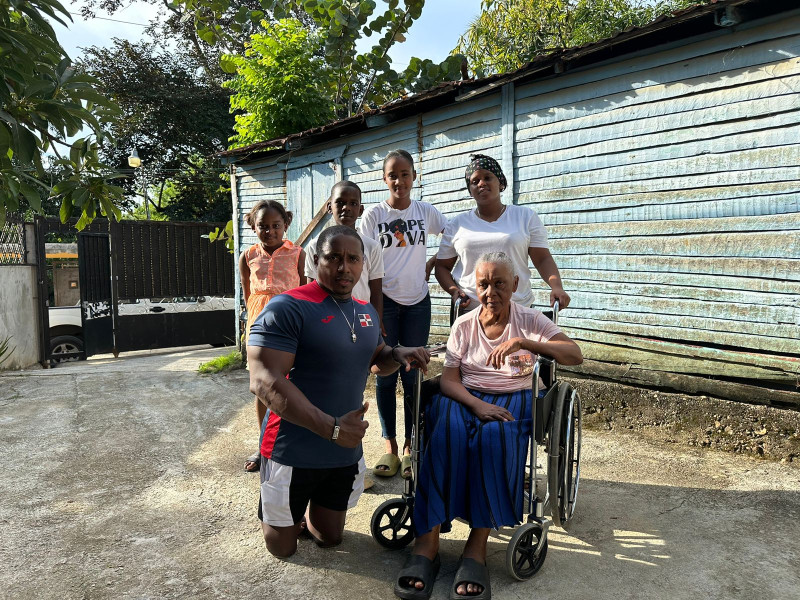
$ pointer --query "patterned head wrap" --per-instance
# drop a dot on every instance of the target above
(481, 161)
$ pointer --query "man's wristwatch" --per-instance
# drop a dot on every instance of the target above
(335, 434)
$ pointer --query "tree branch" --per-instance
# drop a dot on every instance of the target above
(192, 31)
(161, 192)
(385, 52)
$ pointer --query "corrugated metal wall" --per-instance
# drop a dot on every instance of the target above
(670, 187)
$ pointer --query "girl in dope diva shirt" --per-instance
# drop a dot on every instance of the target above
(401, 225)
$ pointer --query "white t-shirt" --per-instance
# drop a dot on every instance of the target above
(403, 236)
(468, 237)
(373, 266)
(468, 348)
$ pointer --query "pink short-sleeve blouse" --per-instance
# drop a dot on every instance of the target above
(468, 348)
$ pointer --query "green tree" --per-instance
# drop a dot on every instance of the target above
(510, 33)
(171, 113)
(45, 102)
(280, 83)
(201, 191)
(349, 80)
(174, 26)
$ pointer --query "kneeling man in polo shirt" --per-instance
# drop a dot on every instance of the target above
(312, 466)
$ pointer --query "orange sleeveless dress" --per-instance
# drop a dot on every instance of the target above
(270, 276)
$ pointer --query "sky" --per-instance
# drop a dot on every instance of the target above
(433, 36)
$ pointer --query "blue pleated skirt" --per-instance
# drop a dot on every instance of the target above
(470, 469)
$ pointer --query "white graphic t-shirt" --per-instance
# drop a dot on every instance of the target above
(373, 266)
(403, 236)
(468, 237)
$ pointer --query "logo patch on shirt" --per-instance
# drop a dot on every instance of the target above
(327, 319)
(365, 320)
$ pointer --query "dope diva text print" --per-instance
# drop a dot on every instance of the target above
(400, 233)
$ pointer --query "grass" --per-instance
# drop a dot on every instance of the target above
(227, 362)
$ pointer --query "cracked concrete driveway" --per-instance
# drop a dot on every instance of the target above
(123, 479)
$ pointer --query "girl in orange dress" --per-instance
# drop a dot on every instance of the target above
(267, 269)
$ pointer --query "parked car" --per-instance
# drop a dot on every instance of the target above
(66, 332)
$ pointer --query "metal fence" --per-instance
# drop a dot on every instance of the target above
(155, 259)
(12, 241)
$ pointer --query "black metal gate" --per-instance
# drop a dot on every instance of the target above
(145, 284)
(174, 261)
(97, 306)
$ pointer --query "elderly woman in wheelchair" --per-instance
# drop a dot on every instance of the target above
(477, 430)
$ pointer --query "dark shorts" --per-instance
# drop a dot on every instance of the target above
(286, 491)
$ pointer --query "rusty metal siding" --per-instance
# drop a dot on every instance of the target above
(669, 183)
(363, 159)
(449, 136)
(255, 182)
(670, 188)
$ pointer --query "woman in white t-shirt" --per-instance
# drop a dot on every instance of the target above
(401, 226)
(494, 227)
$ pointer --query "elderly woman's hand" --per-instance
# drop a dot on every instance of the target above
(498, 355)
(486, 411)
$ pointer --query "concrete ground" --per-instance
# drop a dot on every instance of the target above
(122, 478)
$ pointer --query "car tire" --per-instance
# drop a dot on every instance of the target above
(63, 344)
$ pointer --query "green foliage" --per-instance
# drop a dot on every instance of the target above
(174, 27)
(228, 362)
(338, 80)
(139, 212)
(173, 115)
(279, 84)
(43, 102)
(223, 235)
(510, 33)
(201, 191)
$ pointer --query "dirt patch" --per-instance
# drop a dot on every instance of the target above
(754, 430)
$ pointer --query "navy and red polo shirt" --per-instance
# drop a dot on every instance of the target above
(329, 368)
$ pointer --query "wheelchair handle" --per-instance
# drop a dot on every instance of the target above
(555, 312)
(455, 308)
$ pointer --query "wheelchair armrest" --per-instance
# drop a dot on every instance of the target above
(547, 370)
(430, 387)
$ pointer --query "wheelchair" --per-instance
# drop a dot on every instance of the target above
(556, 425)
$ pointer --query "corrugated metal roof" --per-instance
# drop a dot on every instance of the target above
(683, 24)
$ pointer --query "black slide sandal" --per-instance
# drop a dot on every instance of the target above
(471, 571)
(418, 567)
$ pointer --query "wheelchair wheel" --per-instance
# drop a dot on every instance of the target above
(563, 467)
(391, 524)
(521, 560)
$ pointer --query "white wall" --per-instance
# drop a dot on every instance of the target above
(19, 315)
